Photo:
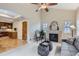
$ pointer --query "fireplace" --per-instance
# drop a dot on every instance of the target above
(53, 37)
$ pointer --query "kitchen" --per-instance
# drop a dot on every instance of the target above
(6, 29)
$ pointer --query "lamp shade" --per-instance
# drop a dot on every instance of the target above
(72, 27)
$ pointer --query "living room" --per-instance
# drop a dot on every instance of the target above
(60, 20)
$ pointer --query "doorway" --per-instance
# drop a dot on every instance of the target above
(24, 32)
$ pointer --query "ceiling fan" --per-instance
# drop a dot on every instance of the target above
(44, 6)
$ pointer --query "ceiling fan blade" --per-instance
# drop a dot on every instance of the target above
(35, 3)
(50, 4)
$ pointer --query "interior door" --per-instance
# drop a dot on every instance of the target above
(24, 30)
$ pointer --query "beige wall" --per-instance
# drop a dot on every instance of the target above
(77, 21)
(18, 25)
(59, 15)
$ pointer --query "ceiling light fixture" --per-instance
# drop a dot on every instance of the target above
(44, 6)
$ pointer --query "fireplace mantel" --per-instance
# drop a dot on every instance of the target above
(55, 32)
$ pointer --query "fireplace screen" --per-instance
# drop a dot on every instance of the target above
(53, 37)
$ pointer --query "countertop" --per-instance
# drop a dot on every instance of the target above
(7, 30)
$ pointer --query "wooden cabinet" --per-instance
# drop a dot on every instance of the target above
(12, 35)
(2, 34)
(8, 25)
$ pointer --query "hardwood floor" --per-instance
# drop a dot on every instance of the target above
(6, 43)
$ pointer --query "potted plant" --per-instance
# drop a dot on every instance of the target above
(42, 34)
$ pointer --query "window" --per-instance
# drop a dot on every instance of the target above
(44, 26)
(67, 26)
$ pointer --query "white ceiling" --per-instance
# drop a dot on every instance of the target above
(68, 6)
(18, 6)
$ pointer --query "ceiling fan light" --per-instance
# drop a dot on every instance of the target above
(43, 6)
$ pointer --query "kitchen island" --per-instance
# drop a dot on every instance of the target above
(8, 32)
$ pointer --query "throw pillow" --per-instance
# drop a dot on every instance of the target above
(76, 43)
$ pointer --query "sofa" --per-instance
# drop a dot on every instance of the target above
(70, 47)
